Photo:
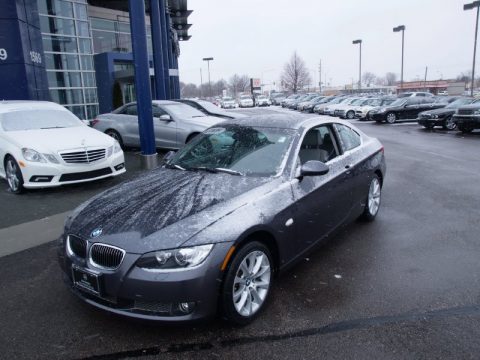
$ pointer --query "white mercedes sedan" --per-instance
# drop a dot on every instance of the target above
(42, 144)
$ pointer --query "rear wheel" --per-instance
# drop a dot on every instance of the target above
(373, 199)
(13, 175)
(449, 124)
(114, 134)
(391, 118)
(247, 283)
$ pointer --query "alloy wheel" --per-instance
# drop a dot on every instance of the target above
(391, 118)
(12, 175)
(450, 124)
(374, 194)
(251, 283)
(350, 115)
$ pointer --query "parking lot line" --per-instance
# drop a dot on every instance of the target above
(24, 236)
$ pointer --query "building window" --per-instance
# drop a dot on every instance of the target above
(68, 54)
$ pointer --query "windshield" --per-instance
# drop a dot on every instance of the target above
(359, 102)
(227, 99)
(336, 100)
(209, 106)
(374, 102)
(459, 102)
(245, 97)
(398, 102)
(251, 151)
(182, 111)
(39, 119)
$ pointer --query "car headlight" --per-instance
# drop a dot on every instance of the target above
(476, 112)
(116, 147)
(175, 259)
(382, 110)
(32, 155)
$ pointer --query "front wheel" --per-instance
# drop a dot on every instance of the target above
(465, 129)
(13, 175)
(391, 118)
(373, 199)
(449, 124)
(247, 283)
(350, 115)
(114, 134)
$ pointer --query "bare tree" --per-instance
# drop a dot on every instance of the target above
(368, 78)
(189, 90)
(238, 83)
(390, 79)
(295, 74)
(218, 87)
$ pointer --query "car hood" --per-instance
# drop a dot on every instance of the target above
(54, 140)
(206, 121)
(440, 111)
(230, 114)
(185, 201)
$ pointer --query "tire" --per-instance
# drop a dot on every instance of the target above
(391, 118)
(114, 134)
(464, 129)
(374, 198)
(350, 115)
(14, 175)
(449, 124)
(232, 294)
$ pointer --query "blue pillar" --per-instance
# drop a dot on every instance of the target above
(165, 35)
(142, 82)
(157, 50)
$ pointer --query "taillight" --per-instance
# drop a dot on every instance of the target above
(382, 149)
(94, 122)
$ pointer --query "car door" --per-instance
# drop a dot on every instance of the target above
(411, 108)
(165, 129)
(322, 201)
(355, 175)
(128, 125)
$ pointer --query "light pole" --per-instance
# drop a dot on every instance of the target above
(402, 29)
(208, 59)
(359, 41)
(470, 6)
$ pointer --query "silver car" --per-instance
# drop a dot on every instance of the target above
(174, 124)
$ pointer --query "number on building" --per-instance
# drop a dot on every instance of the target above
(3, 54)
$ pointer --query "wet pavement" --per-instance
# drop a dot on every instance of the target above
(405, 286)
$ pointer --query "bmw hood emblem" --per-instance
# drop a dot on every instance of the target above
(96, 233)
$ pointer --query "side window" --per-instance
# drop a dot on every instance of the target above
(421, 94)
(132, 110)
(157, 112)
(348, 138)
(318, 144)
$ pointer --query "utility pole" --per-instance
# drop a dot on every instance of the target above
(201, 83)
(359, 42)
(320, 76)
(402, 29)
(425, 81)
(208, 59)
(473, 5)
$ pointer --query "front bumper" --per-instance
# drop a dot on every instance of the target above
(430, 121)
(42, 175)
(470, 121)
(379, 117)
(146, 294)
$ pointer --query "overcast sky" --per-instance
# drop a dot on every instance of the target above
(257, 37)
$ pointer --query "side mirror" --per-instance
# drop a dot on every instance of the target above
(314, 168)
(168, 156)
(165, 117)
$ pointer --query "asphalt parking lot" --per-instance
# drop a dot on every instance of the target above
(404, 286)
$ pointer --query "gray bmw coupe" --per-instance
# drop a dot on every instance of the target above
(207, 232)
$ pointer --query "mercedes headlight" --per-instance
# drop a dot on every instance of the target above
(51, 158)
(175, 259)
(116, 147)
(32, 155)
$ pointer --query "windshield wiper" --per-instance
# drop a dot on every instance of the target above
(174, 166)
(217, 170)
(53, 127)
(195, 116)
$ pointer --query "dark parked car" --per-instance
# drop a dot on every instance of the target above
(210, 109)
(404, 108)
(443, 116)
(319, 100)
(241, 202)
(467, 118)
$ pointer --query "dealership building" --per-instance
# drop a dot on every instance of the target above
(78, 53)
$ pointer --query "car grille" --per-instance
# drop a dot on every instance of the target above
(85, 175)
(425, 116)
(465, 112)
(83, 157)
(106, 256)
(152, 306)
(77, 246)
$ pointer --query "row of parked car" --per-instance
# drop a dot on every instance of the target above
(242, 101)
(448, 112)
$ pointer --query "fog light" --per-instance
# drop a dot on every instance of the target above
(120, 166)
(186, 307)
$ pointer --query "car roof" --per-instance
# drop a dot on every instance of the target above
(15, 105)
(281, 121)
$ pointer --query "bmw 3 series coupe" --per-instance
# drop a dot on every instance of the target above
(208, 231)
